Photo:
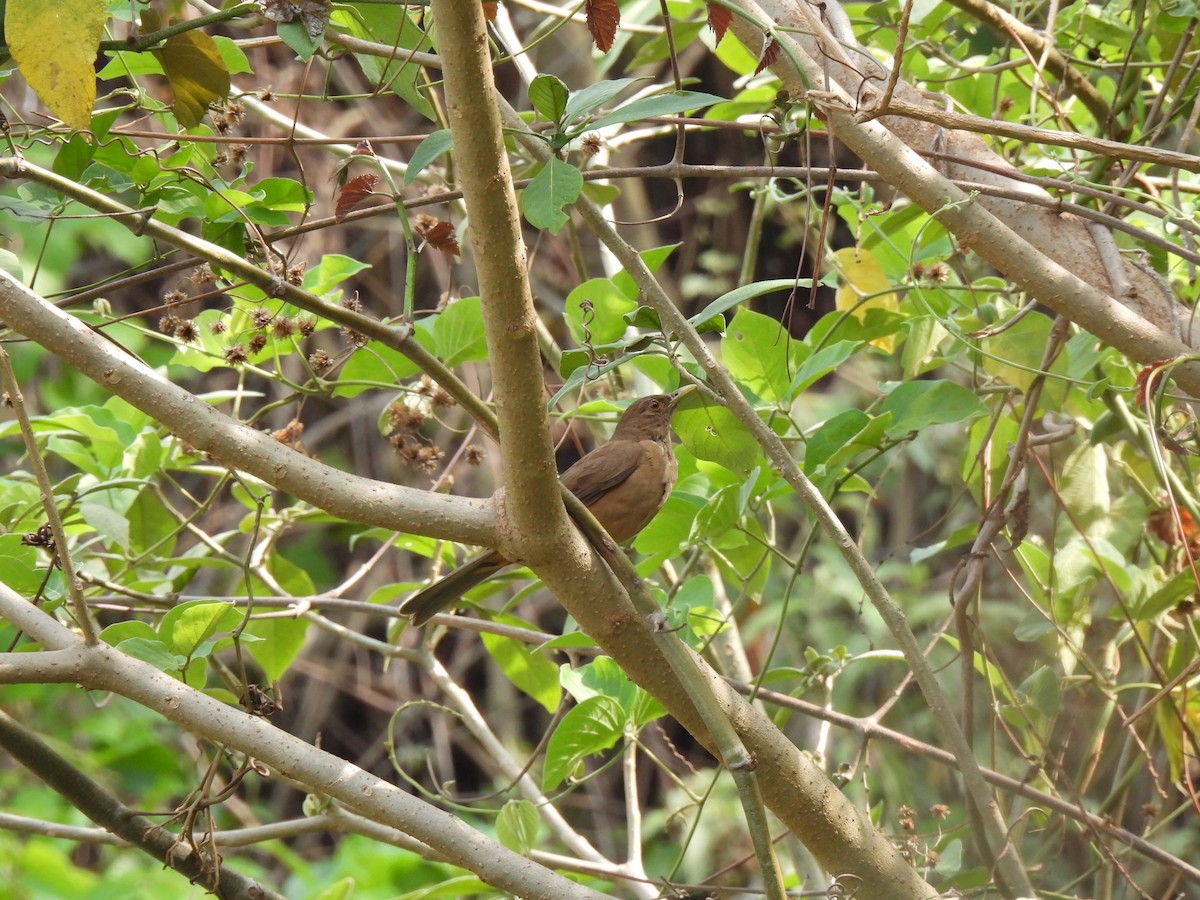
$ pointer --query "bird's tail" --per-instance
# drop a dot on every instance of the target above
(428, 602)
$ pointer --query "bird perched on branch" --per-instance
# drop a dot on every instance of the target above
(624, 483)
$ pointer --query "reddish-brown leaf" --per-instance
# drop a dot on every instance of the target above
(437, 233)
(489, 11)
(770, 53)
(353, 193)
(363, 148)
(603, 17)
(719, 19)
(1148, 378)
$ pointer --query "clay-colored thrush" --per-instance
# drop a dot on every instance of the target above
(624, 483)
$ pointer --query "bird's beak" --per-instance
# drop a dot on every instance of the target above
(681, 393)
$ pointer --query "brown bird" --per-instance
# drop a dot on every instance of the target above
(624, 483)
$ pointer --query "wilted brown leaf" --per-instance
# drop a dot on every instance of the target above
(719, 19)
(770, 53)
(437, 233)
(489, 11)
(355, 191)
(603, 17)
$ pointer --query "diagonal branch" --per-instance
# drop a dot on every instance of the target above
(104, 809)
(238, 446)
(100, 667)
(1050, 255)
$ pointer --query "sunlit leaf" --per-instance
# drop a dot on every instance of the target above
(193, 65)
(525, 666)
(659, 105)
(917, 404)
(590, 728)
(517, 824)
(864, 286)
(458, 333)
(759, 351)
(713, 433)
(54, 45)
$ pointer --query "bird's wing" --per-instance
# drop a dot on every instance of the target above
(602, 470)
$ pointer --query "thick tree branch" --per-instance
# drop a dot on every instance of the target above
(102, 668)
(238, 446)
(533, 510)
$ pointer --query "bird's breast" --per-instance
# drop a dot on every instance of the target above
(629, 506)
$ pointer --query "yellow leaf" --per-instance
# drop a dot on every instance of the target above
(54, 45)
(198, 76)
(863, 277)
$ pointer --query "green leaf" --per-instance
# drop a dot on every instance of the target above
(391, 25)
(669, 530)
(232, 55)
(841, 438)
(517, 826)
(74, 156)
(186, 626)
(342, 889)
(1041, 690)
(1181, 586)
(373, 366)
(154, 652)
(714, 433)
(54, 45)
(917, 404)
(333, 269)
(658, 105)
(653, 258)
(296, 36)
(19, 567)
(821, 363)
(556, 186)
(601, 194)
(128, 63)
(760, 353)
(193, 65)
(109, 524)
(458, 332)
(548, 95)
(604, 678)
(114, 634)
(605, 323)
(525, 666)
(719, 517)
(427, 151)
(1016, 353)
(592, 97)
(11, 263)
(1083, 484)
(589, 728)
(281, 640)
